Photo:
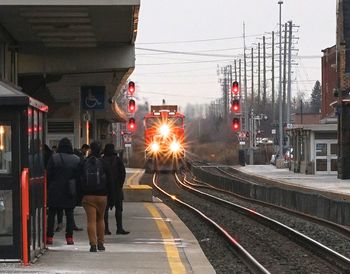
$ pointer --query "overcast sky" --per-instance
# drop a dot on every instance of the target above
(215, 28)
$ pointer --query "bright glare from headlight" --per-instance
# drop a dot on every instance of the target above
(175, 147)
(154, 147)
(164, 130)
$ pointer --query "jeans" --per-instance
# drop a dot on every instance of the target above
(94, 207)
(118, 217)
(51, 220)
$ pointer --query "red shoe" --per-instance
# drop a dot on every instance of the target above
(69, 240)
(49, 240)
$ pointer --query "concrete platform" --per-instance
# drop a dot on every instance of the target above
(158, 243)
(327, 185)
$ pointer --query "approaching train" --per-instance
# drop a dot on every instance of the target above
(164, 138)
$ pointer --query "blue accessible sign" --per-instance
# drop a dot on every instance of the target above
(92, 97)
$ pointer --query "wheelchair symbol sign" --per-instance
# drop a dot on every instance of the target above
(92, 97)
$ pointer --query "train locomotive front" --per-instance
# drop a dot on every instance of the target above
(164, 138)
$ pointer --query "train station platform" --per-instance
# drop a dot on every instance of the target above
(327, 185)
(158, 243)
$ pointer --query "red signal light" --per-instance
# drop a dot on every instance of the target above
(132, 125)
(235, 107)
(235, 124)
(235, 88)
(131, 106)
(131, 88)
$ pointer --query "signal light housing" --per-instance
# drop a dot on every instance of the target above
(132, 106)
(235, 88)
(132, 124)
(235, 124)
(131, 88)
(235, 106)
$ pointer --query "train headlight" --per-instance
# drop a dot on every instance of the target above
(164, 130)
(154, 147)
(175, 147)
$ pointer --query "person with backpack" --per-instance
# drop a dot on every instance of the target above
(94, 187)
(116, 175)
(62, 176)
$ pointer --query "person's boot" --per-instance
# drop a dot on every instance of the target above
(119, 220)
(49, 240)
(122, 232)
(93, 248)
(101, 247)
(69, 240)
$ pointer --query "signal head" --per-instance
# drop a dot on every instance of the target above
(235, 106)
(235, 124)
(131, 88)
(132, 106)
(132, 125)
(235, 88)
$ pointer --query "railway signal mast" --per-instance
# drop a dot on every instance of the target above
(235, 107)
(131, 107)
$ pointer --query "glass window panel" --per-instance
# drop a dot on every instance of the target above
(321, 165)
(334, 165)
(5, 149)
(321, 149)
(6, 221)
(334, 149)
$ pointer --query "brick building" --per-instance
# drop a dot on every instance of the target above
(343, 84)
(329, 81)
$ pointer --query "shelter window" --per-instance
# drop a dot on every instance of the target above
(5, 149)
(6, 221)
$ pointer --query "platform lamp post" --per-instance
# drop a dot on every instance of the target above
(280, 124)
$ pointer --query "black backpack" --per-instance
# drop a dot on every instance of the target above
(93, 177)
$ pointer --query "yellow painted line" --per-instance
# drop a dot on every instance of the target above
(132, 177)
(173, 255)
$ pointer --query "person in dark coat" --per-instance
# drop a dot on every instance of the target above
(62, 170)
(116, 175)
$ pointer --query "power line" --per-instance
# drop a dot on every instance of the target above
(187, 53)
(198, 41)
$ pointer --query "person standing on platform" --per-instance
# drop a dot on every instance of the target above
(62, 171)
(94, 186)
(116, 175)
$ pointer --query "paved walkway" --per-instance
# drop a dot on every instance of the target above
(158, 243)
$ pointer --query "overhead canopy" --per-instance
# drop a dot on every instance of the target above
(87, 39)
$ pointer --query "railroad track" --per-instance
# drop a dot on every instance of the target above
(244, 255)
(339, 262)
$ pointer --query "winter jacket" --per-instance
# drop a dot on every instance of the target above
(116, 176)
(59, 172)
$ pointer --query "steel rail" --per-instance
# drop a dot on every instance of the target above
(323, 251)
(244, 255)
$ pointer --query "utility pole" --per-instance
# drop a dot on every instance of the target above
(289, 100)
(273, 79)
(246, 125)
(239, 84)
(252, 99)
(264, 71)
(280, 83)
(251, 136)
(285, 73)
(259, 76)
(229, 86)
(235, 64)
